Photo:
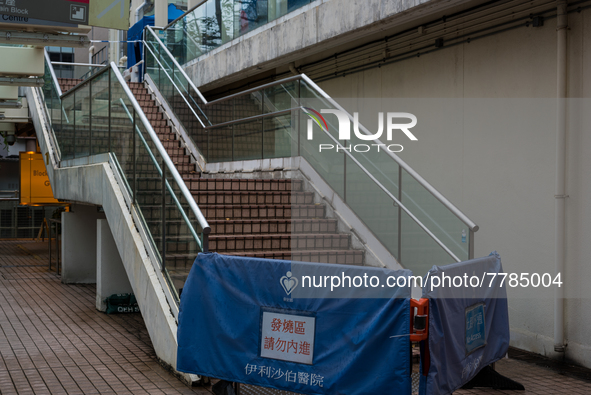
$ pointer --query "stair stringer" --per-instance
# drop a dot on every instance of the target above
(94, 180)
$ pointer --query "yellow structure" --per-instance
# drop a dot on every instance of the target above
(35, 187)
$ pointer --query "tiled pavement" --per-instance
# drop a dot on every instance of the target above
(53, 341)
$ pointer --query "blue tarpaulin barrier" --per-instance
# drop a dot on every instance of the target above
(468, 325)
(240, 322)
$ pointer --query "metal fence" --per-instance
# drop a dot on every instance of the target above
(18, 221)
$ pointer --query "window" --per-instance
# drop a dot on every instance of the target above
(62, 54)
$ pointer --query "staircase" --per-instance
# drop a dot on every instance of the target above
(164, 131)
(260, 218)
(159, 205)
(68, 83)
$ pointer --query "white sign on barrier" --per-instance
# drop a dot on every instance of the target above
(288, 337)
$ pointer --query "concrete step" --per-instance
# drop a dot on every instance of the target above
(268, 242)
(179, 265)
(145, 168)
(238, 244)
(223, 184)
(233, 198)
(252, 227)
(245, 212)
(252, 197)
(258, 226)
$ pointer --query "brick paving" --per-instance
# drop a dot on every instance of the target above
(54, 341)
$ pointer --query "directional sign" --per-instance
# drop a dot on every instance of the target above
(113, 14)
(19, 20)
(65, 11)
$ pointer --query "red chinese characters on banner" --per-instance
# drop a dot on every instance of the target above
(288, 326)
(269, 342)
(299, 328)
(286, 346)
(304, 348)
(276, 325)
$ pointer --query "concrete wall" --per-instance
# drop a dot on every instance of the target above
(306, 31)
(500, 174)
(79, 244)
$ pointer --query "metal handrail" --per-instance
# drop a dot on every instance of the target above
(442, 199)
(53, 76)
(87, 81)
(173, 83)
(58, 91)
(57, 149)
(258, 88)
(252, 118)
(192, 85)
(379, 184)
(78, 64)
(162, 151)
(177, 64)
(161, 173)
(84, 77)
(385, 190)
(190, 82)
(397, 187)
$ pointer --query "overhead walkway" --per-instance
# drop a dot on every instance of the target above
(145, 153)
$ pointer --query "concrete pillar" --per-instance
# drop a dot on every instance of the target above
(79, 244)
(111, 277)
(113, 46)
(160, 13)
